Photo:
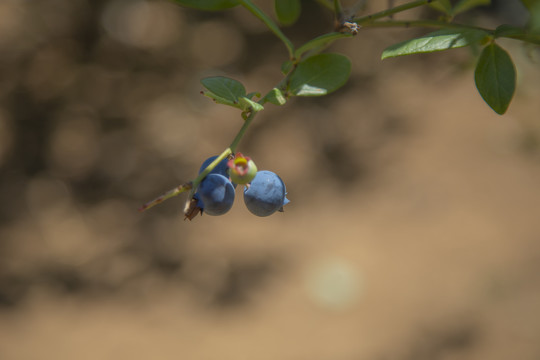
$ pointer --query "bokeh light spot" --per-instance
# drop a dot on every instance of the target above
(143, 24)
(216, 43)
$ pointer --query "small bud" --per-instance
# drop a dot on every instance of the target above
(241, 169)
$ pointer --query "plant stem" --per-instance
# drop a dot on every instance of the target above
(422, 23)
(381, 14)
(338, 10)
(192, 185)
(270, 24)
(527, 37)
(169, 194)
(241, 132)
(211, 167)
(531, 38)
(195, 183)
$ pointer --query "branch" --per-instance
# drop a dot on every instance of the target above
(270, 24)
(388, 12)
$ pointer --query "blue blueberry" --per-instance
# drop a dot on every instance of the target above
(222, 168)
(266, 194)
(215, 195)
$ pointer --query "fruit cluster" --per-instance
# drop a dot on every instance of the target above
(264, 191)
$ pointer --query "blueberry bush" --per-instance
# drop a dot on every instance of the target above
(309, 72)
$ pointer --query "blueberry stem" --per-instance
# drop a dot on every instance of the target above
(338, 9)
(169, 194)
(242, 130)
(423, 23)
(195, 183)
(388, 12)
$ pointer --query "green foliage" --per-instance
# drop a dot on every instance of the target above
(224, 90)
(276, 97)
(507, 30)
(320, 75)
(495, 77)
(286, 67)
(310, 73)
(287, 11)
(209, 5)
(246, 104)
(230, 92)
(439, 40)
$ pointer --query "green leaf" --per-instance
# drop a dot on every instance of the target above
(286, 66)
(320, 42)
(247, 104)
(443, 6)
(287, 11)
(220, 100)
(319, 75)
(515, 32)
(224, 90)
(209, 5)
(508, 30)
(465, 5)
(275, 96)
(495, 77)
(436, 41)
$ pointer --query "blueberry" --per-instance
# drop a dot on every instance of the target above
(266, 194)
(242, 169)
(222, 168)
(215, 195)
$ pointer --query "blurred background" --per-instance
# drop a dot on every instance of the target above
(412, 232)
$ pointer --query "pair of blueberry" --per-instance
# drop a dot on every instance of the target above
(263, 195)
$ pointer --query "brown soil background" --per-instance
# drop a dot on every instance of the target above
(412, 232)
